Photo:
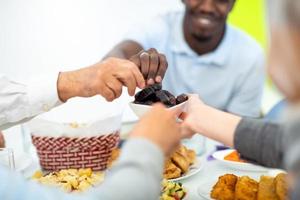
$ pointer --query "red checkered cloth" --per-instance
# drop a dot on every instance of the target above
(57, 153)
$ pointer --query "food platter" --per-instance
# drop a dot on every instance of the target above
(194, 169)
(230, 186)
(243, 166)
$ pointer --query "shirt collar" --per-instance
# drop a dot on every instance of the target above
(217, 57)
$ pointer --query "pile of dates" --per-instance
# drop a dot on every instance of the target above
(154, 93)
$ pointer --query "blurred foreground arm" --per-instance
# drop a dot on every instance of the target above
(256, 140)
(209, 121)
(136, 175)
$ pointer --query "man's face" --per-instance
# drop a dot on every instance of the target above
(207, 18)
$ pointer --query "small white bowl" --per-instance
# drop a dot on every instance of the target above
(140, 109)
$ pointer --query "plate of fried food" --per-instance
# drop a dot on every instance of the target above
(70, 180)
(182, 164)
(231, 158)
(232, 187)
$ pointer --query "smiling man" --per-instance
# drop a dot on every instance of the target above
(205, 56)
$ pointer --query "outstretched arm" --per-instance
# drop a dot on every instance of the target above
(20, 102)
(256, 140)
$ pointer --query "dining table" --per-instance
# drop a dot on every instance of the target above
(198, 185)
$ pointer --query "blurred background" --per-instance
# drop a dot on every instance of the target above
(44, 36)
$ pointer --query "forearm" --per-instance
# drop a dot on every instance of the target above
(20, 102)
(118, 53)
(71, 84)
(215, 124)
(260, 141)
(138, 173)
(125, 50)
(256, 140)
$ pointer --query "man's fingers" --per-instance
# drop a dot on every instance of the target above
(145, 64)
(136, 60)
(140, 81)
(152, 50)
(108, 94)
(128, 79)
(116, 86)
(154, 62)
(162, 68)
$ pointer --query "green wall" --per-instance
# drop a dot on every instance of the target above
(249, 15)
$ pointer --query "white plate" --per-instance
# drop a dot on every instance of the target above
(205, 187)
(219, 155)
(194, 169)
(204, 190)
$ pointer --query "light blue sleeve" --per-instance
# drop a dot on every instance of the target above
(247, 96)
(137, 175)
(151, 33)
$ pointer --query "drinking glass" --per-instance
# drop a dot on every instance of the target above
(7, 158)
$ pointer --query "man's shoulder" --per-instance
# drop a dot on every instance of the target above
(243, 41)
(248, 49)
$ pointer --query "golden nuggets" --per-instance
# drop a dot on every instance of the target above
(281, 186)
(231, 187)
(246, 189)
(224, 189)
(266, 189)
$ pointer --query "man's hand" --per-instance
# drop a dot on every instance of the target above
(160, 127)
(105, 78)
(2, 140)
(152, 64)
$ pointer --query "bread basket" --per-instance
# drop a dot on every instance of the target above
(85, 143)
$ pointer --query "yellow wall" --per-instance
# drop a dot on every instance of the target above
(249, 15)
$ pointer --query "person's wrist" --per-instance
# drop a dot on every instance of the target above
(199, 117)
(66, 85)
